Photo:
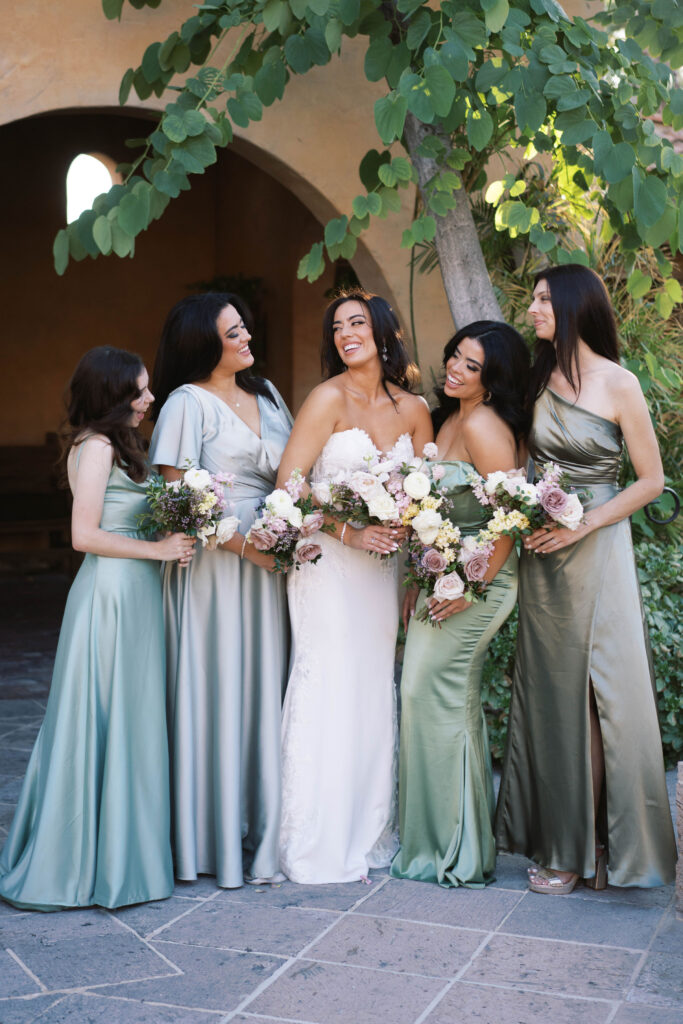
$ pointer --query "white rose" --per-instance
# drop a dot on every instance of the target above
(416, 485)
(416, 464)
(493, 479)
(430, 451)
(322, 493)
(515, 486)
(206, 532)
(383, 506)
(384, 468)
(226, 529)
(295, 517)
(279, 503)
(197, 479)
(449, 587)
(426, 525)
(469, 547)
(365, 484)
(573, 513)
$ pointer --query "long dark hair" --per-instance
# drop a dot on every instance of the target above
(101, 390)
(191, 348)
(582, 309)
(504, 374)
(396, 367)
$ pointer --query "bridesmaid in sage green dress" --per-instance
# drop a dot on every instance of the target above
(446, 799)
(227, 634)
(92, 824)
(583, 790)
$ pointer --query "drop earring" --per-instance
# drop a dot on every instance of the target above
(487, 398)
(384, 352)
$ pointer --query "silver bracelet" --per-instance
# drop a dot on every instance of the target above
(244, 544)
(343, 532)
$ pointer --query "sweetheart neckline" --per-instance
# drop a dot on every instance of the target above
(361, 430)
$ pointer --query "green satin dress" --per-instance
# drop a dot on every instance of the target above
(92, 825)
(446, 799)
(581, 620)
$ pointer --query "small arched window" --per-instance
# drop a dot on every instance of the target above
(88, 176)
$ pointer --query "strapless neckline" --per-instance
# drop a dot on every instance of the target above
(361, 430)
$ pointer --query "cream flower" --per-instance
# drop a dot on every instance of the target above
(382, 506)
(279, 503)
(427, 525)
(493, 479)
(226, 529)
(573, 513)
(295, 517)
(365, 484)
(449, 587)
(520, 488)
(322, 493)
(416, 485)
(430, 451)
(197, 479)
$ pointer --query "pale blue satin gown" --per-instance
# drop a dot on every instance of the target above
(92, 825)
(227, 641)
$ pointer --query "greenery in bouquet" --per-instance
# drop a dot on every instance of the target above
(195, 505)
(287, 525)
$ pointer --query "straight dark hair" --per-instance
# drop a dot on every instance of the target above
(504, 374)
(99, 399)
(191, 348)
(582, 309)
(396, 367)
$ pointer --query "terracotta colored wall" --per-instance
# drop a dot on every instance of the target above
(235, 219)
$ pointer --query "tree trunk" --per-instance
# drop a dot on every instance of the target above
(465, 277)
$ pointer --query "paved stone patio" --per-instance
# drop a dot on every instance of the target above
(387, 952)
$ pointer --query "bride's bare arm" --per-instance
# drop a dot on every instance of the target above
(313, 425)
(423, 432)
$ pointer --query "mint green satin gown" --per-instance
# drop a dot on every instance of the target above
(227, 645)
(581, 620)
(92, 825)
(446, 799)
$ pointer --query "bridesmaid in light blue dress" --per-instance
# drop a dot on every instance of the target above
(92, 824)
(226, 616)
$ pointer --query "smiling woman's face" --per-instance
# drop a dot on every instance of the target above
(235, 337)
(353, 334)
(141, 404)
(463, 370)
(541, 312)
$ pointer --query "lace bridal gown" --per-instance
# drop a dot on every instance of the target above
(339, 731)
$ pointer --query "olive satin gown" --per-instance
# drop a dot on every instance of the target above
(446, 799)
(92, 825)
(227, 642)
(581, 620)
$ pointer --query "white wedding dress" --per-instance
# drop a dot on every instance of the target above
(339, 729)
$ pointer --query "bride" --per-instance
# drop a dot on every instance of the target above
(339, 721)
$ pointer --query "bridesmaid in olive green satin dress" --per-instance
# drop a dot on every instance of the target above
(92, 825)
(583, 790)
(446, 799)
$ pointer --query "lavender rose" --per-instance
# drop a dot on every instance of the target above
(306, 551)
(262, 538)
(476, 567)
(433, 561)
(554, 501)
(449, 587)
(312, 523)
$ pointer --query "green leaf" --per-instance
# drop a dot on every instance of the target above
(638, 284)
(122, 244)
(317, 47)
(619, 162)
(319, 7)
(663, 229)
(173, 127)
(333, 34)
(673, 289)
(377, 58)
(194, 122)
(348, 11)
(408, 6)
(649, 198)
(150, 66)
(360, 207)
(167, 184)
(112, 11)
(358, 224)
(270, 81)
(391, 201)
(530, 111)
(271, 14)
(479, 128)
(441, 88)
(578, 132)
(664, 305)
(335, 231)
(298, 56)
(313, 263)
(126, 84)
(418, 29)
(101, 232)
(390, 115)
(368, 170)
(403, 168)
(455, 59)
(387, 175)
(60, 251)
(495, 13)
(374, 204)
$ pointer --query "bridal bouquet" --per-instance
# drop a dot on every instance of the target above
(194, 505)
(521, 507)
(444, 563)
(287, 526)
(387, 493)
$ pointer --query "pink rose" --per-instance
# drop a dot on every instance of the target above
(438, 472)
(476, 567)
(312, 523)
(277, 525)
(306, 551)
(433, 561)
(554, 501)
(395, 484)
(262, 538)
(449, 587)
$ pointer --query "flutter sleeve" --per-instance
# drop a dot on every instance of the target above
(281, 404)
(177, 436)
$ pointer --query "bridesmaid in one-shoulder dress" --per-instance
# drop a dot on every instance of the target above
(92, 824)
(446, 799)
(227, 634)
(583, 790)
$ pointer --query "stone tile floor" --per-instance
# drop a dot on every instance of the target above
(387, 952)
